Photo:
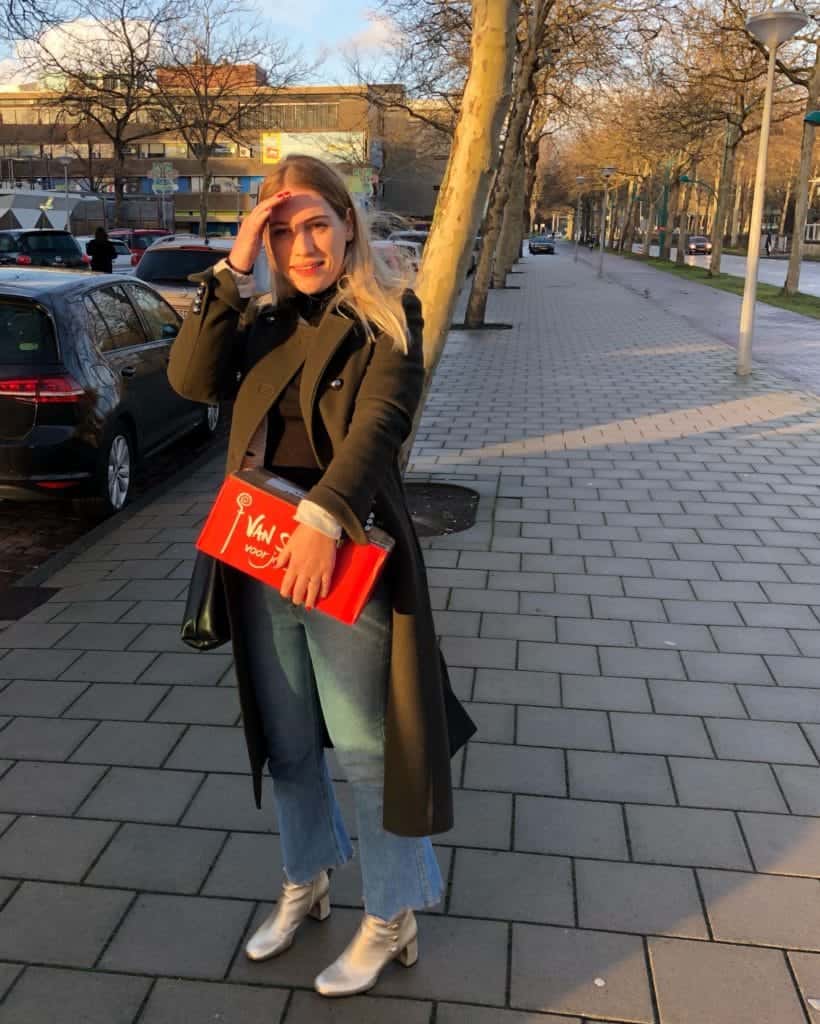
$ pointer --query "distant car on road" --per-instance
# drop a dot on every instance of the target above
(122, 261)
(137, 239)
(168, 263)
(84, 392)
(697, 245)
(541, 245)
(41, 247)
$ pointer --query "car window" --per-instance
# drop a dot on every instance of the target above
(175, 265)
(119, 316)
(26, 334)
(9, 243)
(143, 241)
(48, 242)
(162, 321)
(120, 247)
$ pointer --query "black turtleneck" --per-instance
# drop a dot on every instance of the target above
(288, 452)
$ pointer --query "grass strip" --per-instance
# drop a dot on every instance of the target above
(806, 305)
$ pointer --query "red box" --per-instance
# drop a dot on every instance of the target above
(252, 519)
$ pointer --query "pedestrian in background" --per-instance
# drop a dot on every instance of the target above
(332, 373)
(101, 251)
(768, 243)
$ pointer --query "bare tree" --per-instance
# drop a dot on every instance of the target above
(216, 74)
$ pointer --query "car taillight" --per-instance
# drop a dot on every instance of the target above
(86, 258)
(53, 389)
(135, 257)
(23, 260)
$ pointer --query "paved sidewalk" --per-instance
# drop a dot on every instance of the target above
(634, 621)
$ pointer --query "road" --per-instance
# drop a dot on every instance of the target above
(770, 271)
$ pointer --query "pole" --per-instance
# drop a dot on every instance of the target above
(577, 228)
(747, 310)
(67, 220)
(602, 237)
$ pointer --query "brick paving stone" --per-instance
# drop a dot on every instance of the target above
(210, 748)
(672, 697)
(174, 1001)
(559, 727)
(473, 652)
(51, 994)
(35, 664)
(684, 836)
(116, 636)
(642, 609)
(794, 671)
(754, 640)
(150, 612)
(806, 968)
(732, 785)
(734, 984)
(158, 858)
(452, 1013)
(727, 668)
(661, 590)
(60, 924)
(605, 693)
(554, 970)
(52, 849)
(760, 741)
(783, 844)
(138, 794)
(29, 697)
(542, 892)
(673, 635)
(659, 734)
(518, 627)
(642, 663)
(191, 668)
(153, 590)
(34, 635)
(782, 703)
(32, 787)
(226, 802)
(706, 613)
(764, 910)
(577, 828)
(801, 787)
(789, 616)
(598, 631)
(108, 667)
(505, 601)
(115, 701)
(8, 974)
(136, 744)
(482, 819)
(495, 722)
(624, 777)
(642, 898)
(573, 658)
(249, 867)
(506, 768)
(93, 611)
(42, 738)
(181, 936)
(200, 705)
(568, 605)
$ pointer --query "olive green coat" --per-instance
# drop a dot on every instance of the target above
(356, 428)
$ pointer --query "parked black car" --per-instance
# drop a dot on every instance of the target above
(41, 247)
(540, 244)
(84, 392)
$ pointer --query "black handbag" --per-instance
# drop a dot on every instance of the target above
(205, 625)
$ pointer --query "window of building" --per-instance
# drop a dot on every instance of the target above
(155, 149)
(293, 117)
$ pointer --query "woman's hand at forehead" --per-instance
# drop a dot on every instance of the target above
(252, 232)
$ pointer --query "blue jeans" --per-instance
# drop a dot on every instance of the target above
(305, 667)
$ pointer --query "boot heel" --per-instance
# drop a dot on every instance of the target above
(321, 909)
(410, 954)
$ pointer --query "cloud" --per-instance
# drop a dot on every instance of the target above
(371, 40)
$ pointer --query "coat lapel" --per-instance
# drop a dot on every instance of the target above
(330, 333)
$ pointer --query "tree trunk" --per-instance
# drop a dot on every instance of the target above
(631, 217)
(463, 191)
(734, 237)
(671, 214)
(119, 189)
(801, 206)
(509, 244)
(727, 173)
(650, 223)
(683, 224)
(519, 113)
(204, 195)
(781, 230)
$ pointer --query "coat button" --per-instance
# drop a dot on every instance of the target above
(336, 384)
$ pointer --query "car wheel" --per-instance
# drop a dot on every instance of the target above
(115, 475)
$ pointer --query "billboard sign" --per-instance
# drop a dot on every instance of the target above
(335, 147)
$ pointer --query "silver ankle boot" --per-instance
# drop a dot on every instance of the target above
(374, 945)
(296, 902)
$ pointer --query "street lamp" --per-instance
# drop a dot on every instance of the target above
(606, 174)
(771, 28)
(65, 162)
(579, 181)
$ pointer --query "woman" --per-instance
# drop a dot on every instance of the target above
(101, 251)
(329, 372)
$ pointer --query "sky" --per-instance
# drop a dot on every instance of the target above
(329, 26)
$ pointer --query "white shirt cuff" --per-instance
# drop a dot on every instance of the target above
(311, 514)
(245, 283)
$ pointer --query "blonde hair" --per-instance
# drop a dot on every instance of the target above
(368, 288)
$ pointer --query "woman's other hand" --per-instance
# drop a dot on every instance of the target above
(308, 559)
(252, 232)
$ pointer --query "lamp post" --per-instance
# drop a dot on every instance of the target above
(771, 28)
(579, 181)
(606, 174)
(65, 162)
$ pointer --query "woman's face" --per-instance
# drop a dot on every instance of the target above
(308, 241)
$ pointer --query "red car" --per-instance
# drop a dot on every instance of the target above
(137, 239)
